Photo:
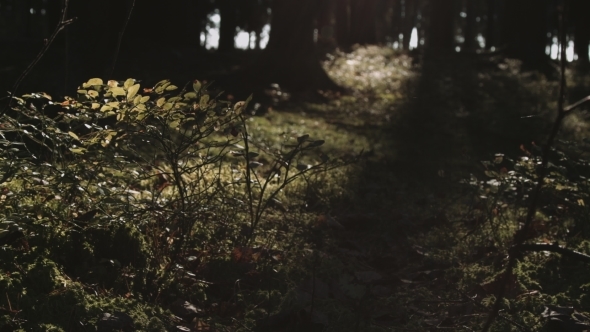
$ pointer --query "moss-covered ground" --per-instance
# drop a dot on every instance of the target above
(410, 234)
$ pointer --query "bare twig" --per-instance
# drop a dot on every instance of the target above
(63, 22)
(120, 40)
(554, 248)
(520, 235)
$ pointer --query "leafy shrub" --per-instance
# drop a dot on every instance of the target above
(139, 191)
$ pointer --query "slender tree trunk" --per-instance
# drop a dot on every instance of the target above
(527, 38)
(441, 32)
(290, 57)
(470, 26)
(409, 22)
(580, 12)
(396, 20)
(491, 24)
(363, 18)
(343, 23)
(228, 25)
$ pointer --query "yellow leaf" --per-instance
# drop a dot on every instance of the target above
(73, 135)
(160, 102)
(132, 91)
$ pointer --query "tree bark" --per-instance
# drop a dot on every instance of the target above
(343, 24)
(409, 22)
(470, 26)
(228, 25)
(526, 39)
(441, 32)
(290, 57)
(491, 24)
(362, 22)
(580, 11)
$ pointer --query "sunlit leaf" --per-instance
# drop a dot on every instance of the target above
(203, 103)
(117, 91)
(132, 91)
(73, 135)
(160, 102)
(239, 107)
(171, 87)
(196, 86)
(190, 95)
(94, 81)
(129, 82)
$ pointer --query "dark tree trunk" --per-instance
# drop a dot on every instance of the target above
(343, 23)
(396, 20)
(228, 25)
(362, 22)
(526, 38)
(92, 39)
(290, 58)
(491, 24)
(580, 12)
(409, 22)
(441, 32)
(470, 26)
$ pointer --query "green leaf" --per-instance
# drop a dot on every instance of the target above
(129, 82)
(117, 91)
(190, 95)
(171, 87)
(196, 86)
(78, 150)
(132, 91)
(94, 81)
(239, 107)
(144, 99)
(73, 135)
(160, 102)
(204, 101)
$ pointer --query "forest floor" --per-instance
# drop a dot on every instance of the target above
(410, 234)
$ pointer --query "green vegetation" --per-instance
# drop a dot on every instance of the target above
(171, 209)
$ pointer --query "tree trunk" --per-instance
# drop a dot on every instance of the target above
(362, 22)
(580, 11)
(228, 25)
(441, 32)
(343, 23)
(491, 24)
(409, 22)
(396, 20)
(470, 27)
(526, 38)
(290, 58)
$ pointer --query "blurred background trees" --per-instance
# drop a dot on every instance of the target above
(294, 34)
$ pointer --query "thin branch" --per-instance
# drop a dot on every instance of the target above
(120, 40)
(520, 235)
(554, 248)
(63, 22)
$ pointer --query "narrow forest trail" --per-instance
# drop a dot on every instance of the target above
(397, 249)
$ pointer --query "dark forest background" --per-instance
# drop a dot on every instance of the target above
(160, 36)
(403, 165)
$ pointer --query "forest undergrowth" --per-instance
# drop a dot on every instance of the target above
(390, 208)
